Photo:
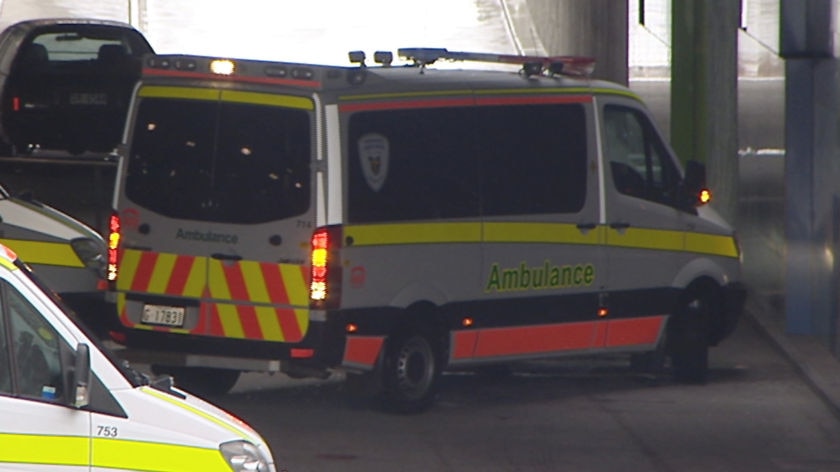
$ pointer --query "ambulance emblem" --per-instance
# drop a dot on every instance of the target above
(373, 152)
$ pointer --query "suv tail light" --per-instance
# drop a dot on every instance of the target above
(325, 275)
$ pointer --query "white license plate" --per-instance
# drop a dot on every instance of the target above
(97, 99)
(163, 315)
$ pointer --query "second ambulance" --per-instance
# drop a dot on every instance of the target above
(395, 222)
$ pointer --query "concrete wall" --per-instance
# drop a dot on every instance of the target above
(596, 28)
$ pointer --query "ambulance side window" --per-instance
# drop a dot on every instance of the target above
(639, 162)
(412, 165)
(533, 159)
(36, 351)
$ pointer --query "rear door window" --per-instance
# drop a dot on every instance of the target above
(69, 87)
(220, 161)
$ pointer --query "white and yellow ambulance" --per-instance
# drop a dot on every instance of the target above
(68, 255)
(398, 221)
(67, 405)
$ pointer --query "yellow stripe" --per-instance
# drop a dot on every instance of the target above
(542, 233)
(539, 233)
(46, 253)
(216, 281)
(157, 457)
(302, 316)
(416, 233)
(254, 282)
(244, 434)
(128, 269)
(197, 278)
(43, 449)
(229, 319)
(643, 238)
(273, 99)
(189, 93)
(161, 273)
(112, 453)
(269, 324)
(7, 263)
(711, 244)
(295, 283)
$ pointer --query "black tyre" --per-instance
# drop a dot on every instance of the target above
(410, 373)
(200, 380)
(688, 334)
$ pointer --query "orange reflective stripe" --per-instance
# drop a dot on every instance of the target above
(255, 288)
(362, 351)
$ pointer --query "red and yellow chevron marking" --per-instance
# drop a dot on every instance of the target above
(242, 300)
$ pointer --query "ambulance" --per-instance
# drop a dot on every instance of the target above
(68, 255)
(66, 404)
(396, 221)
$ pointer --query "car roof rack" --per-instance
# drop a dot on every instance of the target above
(579, 66)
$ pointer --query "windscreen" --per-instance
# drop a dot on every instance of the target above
(219, 161)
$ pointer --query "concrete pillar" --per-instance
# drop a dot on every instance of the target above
(596, 28)
(811, 167)
(704, 93)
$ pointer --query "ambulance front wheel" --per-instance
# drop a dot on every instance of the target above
(200, 380)
(410, 373)
(688, 333)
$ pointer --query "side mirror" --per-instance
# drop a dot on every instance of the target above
(81, 377)
(694, 192)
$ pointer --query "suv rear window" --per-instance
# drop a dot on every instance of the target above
(219, 161)
(69, 88)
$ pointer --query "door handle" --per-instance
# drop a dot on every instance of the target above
(586, 226)
(619, 225)
(226, 257)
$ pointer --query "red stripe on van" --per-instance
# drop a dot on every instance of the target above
(274, 284)
(214, 324)
(533, 100)
(633, 331)
(248, 319)
(362, 350)
(180, 274)
(429, 103)
(534, 339)
(235, 281)
(289, 325)
(463, 344)
(145, 269)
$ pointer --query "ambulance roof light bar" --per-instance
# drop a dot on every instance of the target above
(580, 66)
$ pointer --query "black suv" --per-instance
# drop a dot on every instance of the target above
(65, 84)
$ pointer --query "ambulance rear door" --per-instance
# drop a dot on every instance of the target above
(214, 203)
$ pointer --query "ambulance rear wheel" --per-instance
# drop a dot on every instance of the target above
(200, 380)
(688, 334)
(411, 373)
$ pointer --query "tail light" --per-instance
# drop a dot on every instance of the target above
(113, 246)
(325, 276)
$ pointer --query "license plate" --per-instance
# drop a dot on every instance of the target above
(97, 99)
(163, 315)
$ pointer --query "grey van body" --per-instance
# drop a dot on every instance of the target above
(399, 221)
